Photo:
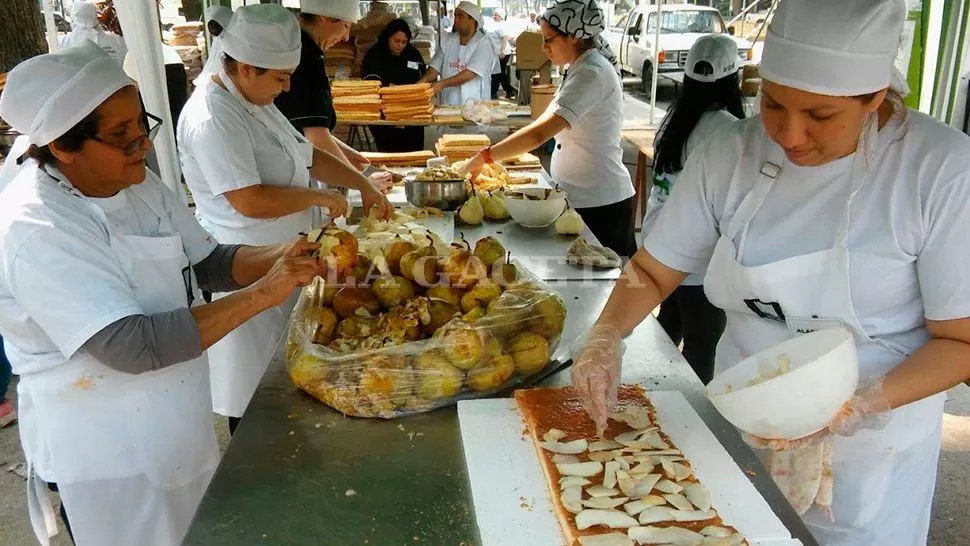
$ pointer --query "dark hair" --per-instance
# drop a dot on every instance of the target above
(71, 141)
(215, 28)
(392, 28)
(697, 98)
(232, 65)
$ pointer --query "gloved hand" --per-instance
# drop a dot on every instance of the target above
(867, 409)
(596, 372)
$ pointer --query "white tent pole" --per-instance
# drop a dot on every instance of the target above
(656, 65)
(51, 26)
(140, 25)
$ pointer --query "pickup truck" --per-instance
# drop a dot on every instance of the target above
(632, 39)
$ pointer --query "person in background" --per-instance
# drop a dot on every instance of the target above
(836, 207)
(499, 36)
(8, 414)
(710, 100)
(308, 103)
(395, 61)
(249, 171)
(85, 26)
(461, 69)
(113, 396)
(533, 24)
(585, 117)
(448, 19)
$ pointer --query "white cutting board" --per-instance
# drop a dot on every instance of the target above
(512, 503)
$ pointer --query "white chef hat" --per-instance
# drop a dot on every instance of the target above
(711, 58)
(344, 10)
(263, 35)
(47, 95)
(834, 47)
(84, 14)
(471, 10)
(219, 14)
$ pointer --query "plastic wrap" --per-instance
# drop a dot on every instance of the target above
(393, 362)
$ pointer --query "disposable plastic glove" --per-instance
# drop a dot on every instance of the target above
(867, 409)
(596, 372)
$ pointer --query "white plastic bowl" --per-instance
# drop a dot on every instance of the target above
(824, 373)
(536, 214)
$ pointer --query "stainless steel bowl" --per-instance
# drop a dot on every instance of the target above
(442, 194)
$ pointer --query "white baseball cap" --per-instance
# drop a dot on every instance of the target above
(263, 35)
(834, 47)
(343, 10)
(711, 58)
(47, 95)
(471, 9)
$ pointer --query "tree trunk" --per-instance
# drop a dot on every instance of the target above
(425, 12)
(192, 10)
(21, 32)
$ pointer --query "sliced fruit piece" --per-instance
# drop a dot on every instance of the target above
(614, 519)
(694, 515)
(553, 435)
(597, 491)
(609, 474)
(572, 481)
(656, 514)
(559, 458)
(678, 501)
(603, 445)
(574, 447)
(698, 495)
(645, 485)
(604, 503)
(609, 539)
(667, 486)
(572, 498)
(583, 470)
(675, 536)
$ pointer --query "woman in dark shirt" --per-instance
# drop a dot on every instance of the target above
(396, 62)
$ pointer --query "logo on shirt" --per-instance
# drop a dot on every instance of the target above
(457, 65)
(766, 310)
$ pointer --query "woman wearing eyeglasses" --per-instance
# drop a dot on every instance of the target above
(585, 117)
(99, 267)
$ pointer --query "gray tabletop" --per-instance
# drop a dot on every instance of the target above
(299, 473)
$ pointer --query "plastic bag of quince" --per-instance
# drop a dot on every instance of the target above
(393, 345)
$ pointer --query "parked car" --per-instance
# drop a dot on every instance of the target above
(632, 39)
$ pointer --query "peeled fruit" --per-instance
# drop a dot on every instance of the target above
(395, 252)
(450, 294)
(552, 316)
(530, 352)
(472, 212)
(494, 206)
(306, 370)
(420, 266)
(387, 377)
(489, 251)
(474, 315)
(436, 377)
(491, 374)
(362, 270)
(392, 291)
(356, 327)
(328, 292)
(463, 346)
(507, 314)
(441, 313)
(484, 292)
(338, 248)
(326, 320)
(461, 268)
(570, 223)
(349, 298)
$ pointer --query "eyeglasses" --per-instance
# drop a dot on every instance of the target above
(551, 39)
(150, 124)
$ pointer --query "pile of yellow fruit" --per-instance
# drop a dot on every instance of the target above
(429, 329)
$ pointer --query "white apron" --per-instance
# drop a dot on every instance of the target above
(238, 361)
(84, 424)
(883, 479)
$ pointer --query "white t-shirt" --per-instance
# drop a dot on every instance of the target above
(224, 145)
(663, 183)
(60, 281)
(452, 58)
(588, 160)
(495, 32)
(908, 223)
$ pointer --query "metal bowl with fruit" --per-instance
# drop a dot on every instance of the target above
(439, 187)
(535, 207)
